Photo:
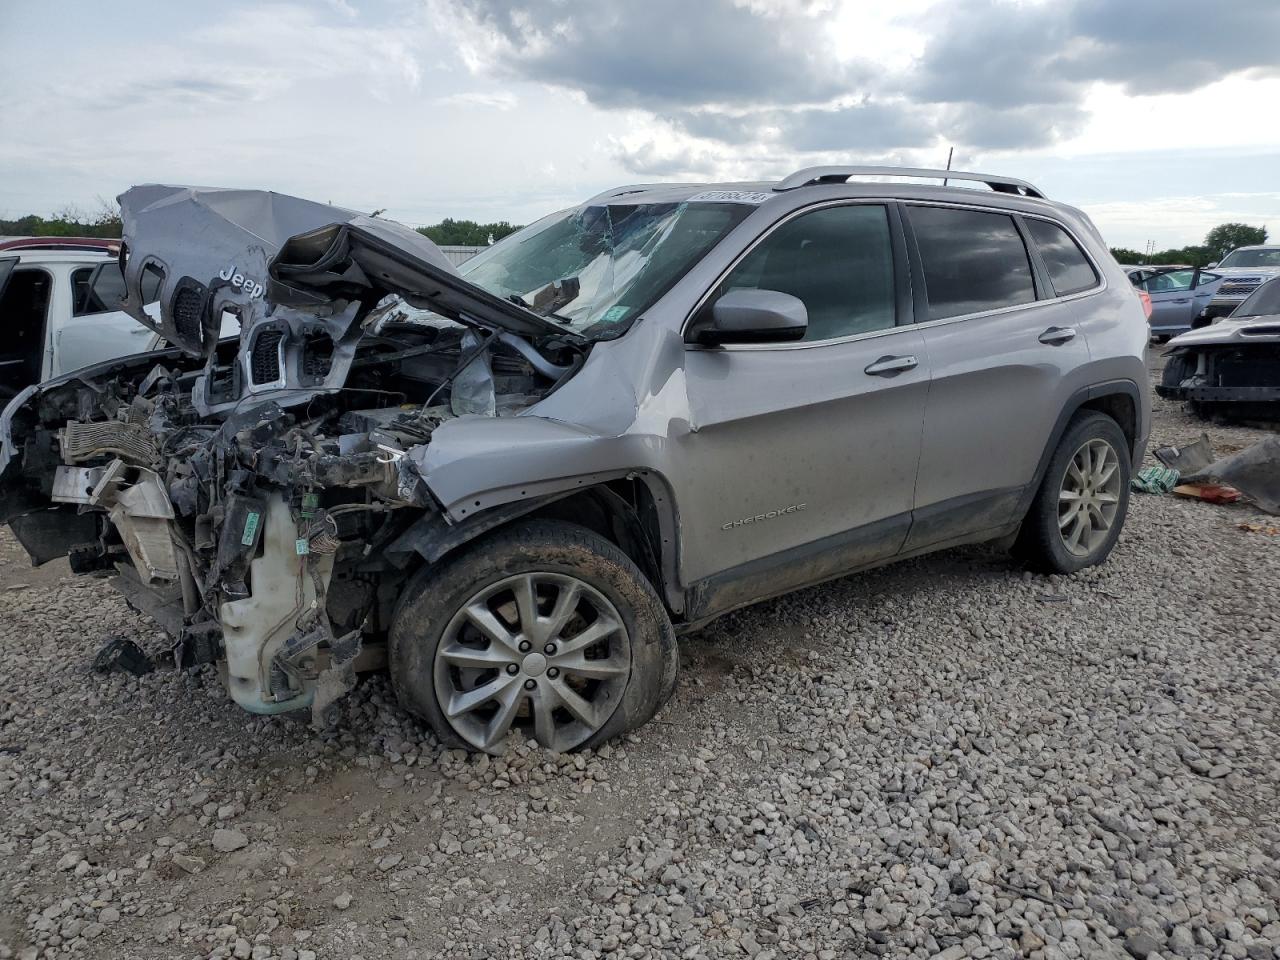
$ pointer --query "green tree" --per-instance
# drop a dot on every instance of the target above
(1125, 255)
(466, 233)
(1225, 237)
(68, 222)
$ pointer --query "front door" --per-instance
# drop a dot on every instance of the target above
(802, 458)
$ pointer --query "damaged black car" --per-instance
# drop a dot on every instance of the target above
(1232, 367)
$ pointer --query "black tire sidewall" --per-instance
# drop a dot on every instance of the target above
(1040, 542)
(433, 597)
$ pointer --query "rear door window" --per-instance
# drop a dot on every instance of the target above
(973, 261)
(1171, 281)
(97, 289)
(1069, 269)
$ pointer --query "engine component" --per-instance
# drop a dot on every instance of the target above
(137, 504)
(84, 441)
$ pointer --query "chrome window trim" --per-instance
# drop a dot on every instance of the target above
(1101, 287)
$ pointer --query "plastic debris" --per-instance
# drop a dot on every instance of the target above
(1189, 457)
(121, 653)
(1208, 492)
(1254, 471)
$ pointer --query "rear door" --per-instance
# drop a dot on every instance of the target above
(1002, 344)
(97, 329)
(803, 456)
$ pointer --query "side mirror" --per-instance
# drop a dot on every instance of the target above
(1212, 265)
(755, 316)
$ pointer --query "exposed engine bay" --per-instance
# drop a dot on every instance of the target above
(252, 494)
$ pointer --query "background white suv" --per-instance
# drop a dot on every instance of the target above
(1242, 270)
(58, 298)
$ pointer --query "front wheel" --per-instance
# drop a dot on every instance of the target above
(1080, 508)
(546, 629)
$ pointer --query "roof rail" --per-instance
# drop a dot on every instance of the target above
(812, 175)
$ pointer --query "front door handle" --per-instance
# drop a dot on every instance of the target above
(1057, 336)
(888, 366)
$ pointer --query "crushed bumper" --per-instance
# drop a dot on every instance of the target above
(1232, 372)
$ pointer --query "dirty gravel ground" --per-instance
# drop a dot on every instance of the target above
(943, 758)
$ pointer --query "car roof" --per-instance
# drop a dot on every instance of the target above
(1259, 246)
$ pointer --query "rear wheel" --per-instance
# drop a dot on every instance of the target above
(1080, 508)
(546, 629)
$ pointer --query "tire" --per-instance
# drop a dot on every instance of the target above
(443, 647)
(1044, 541)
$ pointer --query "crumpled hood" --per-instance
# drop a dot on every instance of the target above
(1264, 329)
(215, 246)
(254, 253)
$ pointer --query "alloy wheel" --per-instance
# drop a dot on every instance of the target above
(1089, 497)
(543, 652)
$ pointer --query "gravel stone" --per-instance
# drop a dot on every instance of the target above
(945, 758)
(227, 841)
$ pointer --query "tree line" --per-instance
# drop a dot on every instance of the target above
(68, 222)
(1218, 242)
(466, 233)
(72, 222)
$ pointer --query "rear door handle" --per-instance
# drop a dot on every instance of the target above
(888, 366)
(1056, 336)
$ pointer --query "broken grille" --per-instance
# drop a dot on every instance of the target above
(186, 314)
(264, 363)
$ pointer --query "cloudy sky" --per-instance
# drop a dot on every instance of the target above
(1160, 117)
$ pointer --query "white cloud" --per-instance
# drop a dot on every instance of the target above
(1132, 223)
(499, 109)
(499, 100)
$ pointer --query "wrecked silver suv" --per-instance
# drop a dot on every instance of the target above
(511, 483)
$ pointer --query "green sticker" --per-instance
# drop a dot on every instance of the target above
(302, 545)
(250, 528)
(309, 503)
(614, 314)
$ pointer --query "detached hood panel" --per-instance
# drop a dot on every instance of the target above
(211, 250)
(1245, 330)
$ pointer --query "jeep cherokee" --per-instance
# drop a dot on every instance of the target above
(515, 482)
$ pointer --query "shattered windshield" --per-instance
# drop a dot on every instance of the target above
(594, 269)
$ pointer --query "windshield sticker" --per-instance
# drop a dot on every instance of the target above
(614, 314)
(730, 196)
